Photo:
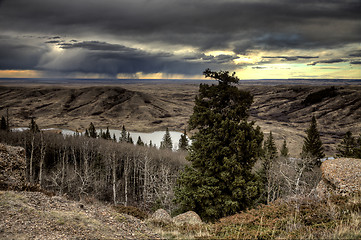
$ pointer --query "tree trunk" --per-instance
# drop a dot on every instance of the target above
(114, 179)
(32, 159)
(126, 174)
(42, 157)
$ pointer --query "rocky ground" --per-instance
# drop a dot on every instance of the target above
(340, 176)
(34, 215)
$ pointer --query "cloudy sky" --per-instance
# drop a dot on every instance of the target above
(258, 39)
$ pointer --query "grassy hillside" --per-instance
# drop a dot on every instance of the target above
(33, 215)
(284, 110)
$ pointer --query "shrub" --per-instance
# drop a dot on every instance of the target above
(130, 210)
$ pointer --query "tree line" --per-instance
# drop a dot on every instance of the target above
(85, 167)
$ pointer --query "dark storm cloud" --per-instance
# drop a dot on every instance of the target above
(19, 54)
(290, 58)
(53, 41)
(242, 26)
(355, 54)
(330, 61)
(205, 24)
(111, 59)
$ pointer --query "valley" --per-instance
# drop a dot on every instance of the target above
(285, 110)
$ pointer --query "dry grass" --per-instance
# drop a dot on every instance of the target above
(150, 107)
(30, 215)
(333, 218)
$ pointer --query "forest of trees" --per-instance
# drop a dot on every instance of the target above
(230, 165)
(94, 168)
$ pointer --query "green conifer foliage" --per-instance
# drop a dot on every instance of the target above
(347, 147)
(224, 148)
(284, 149)
(166, 143)
(3, 124)
(129, 139)
(183, 142)
(140, 142)
(312, 145)
(270, 156)
(33, 127)
(107, 134)
(123, 135)
(91, 130)
(357, 150)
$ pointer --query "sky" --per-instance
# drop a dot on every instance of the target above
(155, 39)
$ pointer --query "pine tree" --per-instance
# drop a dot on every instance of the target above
(91, 130)
(140, 142)
(123, 135)
(86, 133)
(270, 156)
(107, 134)
(183, 141)
(284, 149)
(270, 148)
(3, 124)
(33, 127)
(312, 145)
(129, 139)
(220, 180)
(166, 143)
(357, 150)
(347, 147)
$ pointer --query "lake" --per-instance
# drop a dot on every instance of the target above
(156, 137)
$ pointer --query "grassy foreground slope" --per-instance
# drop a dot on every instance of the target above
(34, 215)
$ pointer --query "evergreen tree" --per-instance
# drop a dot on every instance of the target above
(357, 150)
(312, 145)
(284, 149)
(86, 133)
(91, 130)
(129, 139)
(183, 141)
(140, 142)
(347, 147)
(220, 180)
(270, 148)
(270, 156)
(123, 135)
(107, 134)
(3, 124)
(101, 134)
(114, 138)
(33, 127)
(166, 143)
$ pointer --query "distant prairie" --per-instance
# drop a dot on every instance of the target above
(283, 107)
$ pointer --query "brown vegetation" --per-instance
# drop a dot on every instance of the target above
(33, 215)
(148, 107)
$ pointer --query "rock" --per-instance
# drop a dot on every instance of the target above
(341, 176)
(189, 217)
(12, 167)
(161, 216)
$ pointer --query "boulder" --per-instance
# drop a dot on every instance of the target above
(161, 216)
(189, 217)
(341, 176)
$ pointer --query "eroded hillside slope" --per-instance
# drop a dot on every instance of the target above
(284, 110)
(104, 106)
